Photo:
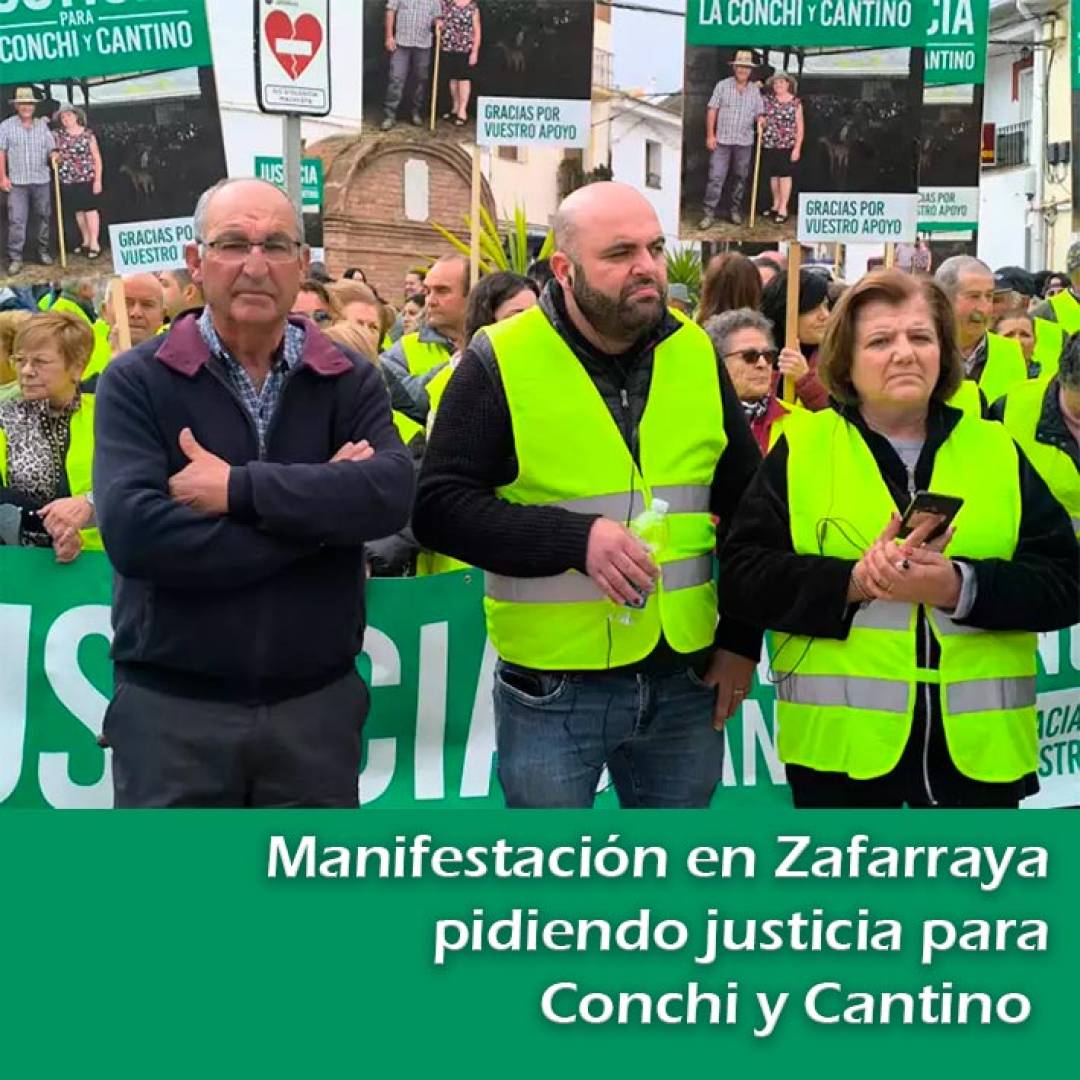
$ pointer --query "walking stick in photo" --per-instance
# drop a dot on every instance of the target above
(59, 215)
(757, 177)
(435, 76)
(791, 330)
(118, 308)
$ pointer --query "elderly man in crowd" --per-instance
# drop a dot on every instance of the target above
(180, 293)
(992, 363)
(242, 462)
(144, 301)
(27, 148)
(730, 131)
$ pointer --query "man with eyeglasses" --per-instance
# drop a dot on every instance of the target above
(242, 462)
(559, 427)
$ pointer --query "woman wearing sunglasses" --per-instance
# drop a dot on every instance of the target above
(743, 338)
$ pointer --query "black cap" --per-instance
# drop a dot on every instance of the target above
(1014, 279)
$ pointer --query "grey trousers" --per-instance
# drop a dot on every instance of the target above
(725, 159)
(181, 752)
(21, 199)
(403, 60)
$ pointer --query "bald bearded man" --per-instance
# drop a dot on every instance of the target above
(559, 427)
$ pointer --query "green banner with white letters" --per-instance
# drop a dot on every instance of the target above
(68, 39)
(430, 738)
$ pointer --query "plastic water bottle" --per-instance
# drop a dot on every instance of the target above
(651, 527)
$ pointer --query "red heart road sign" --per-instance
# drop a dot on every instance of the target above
(294, 45)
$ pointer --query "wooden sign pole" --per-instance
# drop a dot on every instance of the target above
(474, 219)
(791, 331)
(118, 309)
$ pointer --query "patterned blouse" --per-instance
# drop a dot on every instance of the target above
(457, 32)
(76, 160)
(37, 446)
(780, 124)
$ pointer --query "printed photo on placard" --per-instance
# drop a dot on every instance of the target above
(764, 126)
(428, 64)
(102, 155)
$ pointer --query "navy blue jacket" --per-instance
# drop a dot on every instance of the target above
(266, 602)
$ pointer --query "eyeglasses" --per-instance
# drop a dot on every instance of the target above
(752, 356)
(279, 249)
(36, 362)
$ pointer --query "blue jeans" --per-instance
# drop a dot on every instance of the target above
(403, 60)
(654, 734)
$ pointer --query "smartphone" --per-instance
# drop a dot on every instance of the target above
(925, 505)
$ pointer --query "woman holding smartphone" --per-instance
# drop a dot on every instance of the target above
(904, 669)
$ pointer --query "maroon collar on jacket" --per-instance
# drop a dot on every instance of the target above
(185, 351)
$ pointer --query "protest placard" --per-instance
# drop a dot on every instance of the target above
(497, 72)
(123, 98)
(801, 122)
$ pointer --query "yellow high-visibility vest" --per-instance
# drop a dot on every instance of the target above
(847, 706)
(572, 455)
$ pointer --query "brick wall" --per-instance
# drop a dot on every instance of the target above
(364, 215)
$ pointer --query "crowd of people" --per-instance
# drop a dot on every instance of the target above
(269, 438)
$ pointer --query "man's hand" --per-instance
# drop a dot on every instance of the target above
(5, 184)
(710, 142)
(67, 544)
(617, 561)
(204, 483)
(361, 451)
(74, 513)
(391, 44)
(732, 676)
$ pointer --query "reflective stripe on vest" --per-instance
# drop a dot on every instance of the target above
(1005, 367)
(886, 695)
(1023, 409)
(422, 356)
(847, 706)
(78, 464)
(1067, 309)
(572, 455)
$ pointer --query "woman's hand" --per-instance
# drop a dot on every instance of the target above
(73, 513)
(795, 155)
(912, 571)
(67, 544)
(97, 187)
(792, 364)
(473, 58)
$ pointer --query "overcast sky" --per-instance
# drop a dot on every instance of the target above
(649, 46)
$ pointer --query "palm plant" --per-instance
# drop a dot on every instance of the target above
(684, 267)
(496, 251)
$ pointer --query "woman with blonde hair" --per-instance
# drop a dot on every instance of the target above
(358, 304)
(47, 440)
(351, 336)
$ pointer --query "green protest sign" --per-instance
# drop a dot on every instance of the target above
(956, 42)
(67, 39)
(430, 738)
(311, 177)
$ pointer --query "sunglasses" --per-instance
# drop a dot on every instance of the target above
(752, 356)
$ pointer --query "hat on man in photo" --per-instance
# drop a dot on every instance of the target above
(1014, 279)
(743, 58)
(23, 96)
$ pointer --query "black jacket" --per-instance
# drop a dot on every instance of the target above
(762, 578)
(266, 602)
(471, 453)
